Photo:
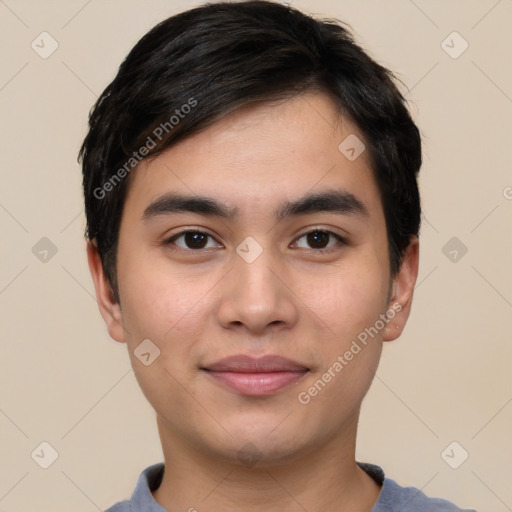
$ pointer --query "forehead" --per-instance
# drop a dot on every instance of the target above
(256, 157)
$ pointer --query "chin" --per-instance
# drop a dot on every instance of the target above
(264, 445)
(264, 453)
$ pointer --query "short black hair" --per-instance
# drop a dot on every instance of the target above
(193, 68)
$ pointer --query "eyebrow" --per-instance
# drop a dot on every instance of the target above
(332, 200)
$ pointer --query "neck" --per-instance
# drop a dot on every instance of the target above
(326, 478)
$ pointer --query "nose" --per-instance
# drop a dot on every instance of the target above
(257, 295)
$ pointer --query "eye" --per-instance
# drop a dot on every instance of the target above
(319, 239)
(194, 240)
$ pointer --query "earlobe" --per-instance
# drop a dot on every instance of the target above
(107, 303)
(402, 292)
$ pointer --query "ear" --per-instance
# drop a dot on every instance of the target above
(402, 291)
(109, 308)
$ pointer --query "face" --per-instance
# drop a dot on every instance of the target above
(268, 303)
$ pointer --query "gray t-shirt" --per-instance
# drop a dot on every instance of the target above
(392, 497)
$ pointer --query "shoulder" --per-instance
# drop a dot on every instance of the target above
(393, 498)
(122, 506)
(142, 498)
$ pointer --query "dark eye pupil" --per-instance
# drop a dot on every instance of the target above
(315, 239)
(195, 240)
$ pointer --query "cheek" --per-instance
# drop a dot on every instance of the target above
(351, 298)
(351, 306)
(160, 304)
(160, 308)
(151, 296)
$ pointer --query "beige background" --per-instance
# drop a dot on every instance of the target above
(448, 378)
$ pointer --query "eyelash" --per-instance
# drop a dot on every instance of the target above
(341, 240)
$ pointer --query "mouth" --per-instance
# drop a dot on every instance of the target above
(256, 376)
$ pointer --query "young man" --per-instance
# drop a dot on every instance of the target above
(252, 223)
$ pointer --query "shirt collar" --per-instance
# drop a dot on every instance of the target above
(151, 478)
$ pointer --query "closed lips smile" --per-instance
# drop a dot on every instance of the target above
(255, 376)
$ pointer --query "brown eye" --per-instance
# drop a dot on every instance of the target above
(320, 239)
(192, 240)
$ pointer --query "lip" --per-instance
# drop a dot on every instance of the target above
(256, 376)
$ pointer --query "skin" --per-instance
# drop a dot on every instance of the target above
(199, 306)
